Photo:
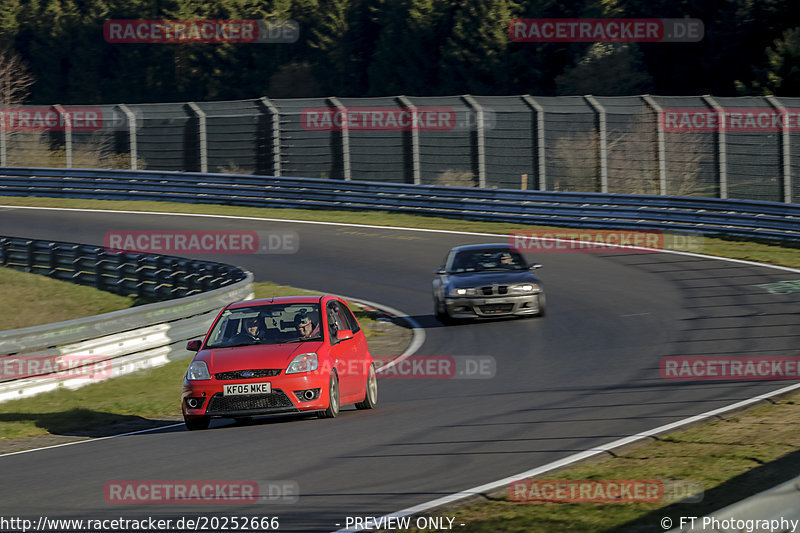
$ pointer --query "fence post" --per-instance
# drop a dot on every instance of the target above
(540, 153)
(480, 134)
(345, 137)
(415, 165)
(131, 135)
(601, 131)
(53, 250)
(785, 149)
(30, 256)
(722, 153)
(202, 141)
(276, 135)
(99, 265)
(3, 140)
(67, 133)
(660, 143)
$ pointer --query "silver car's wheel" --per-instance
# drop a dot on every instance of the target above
(440, 311)
(542, 303)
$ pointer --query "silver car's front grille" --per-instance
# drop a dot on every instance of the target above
(493, 290)
(496, 309)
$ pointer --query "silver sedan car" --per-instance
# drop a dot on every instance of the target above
(486, 281)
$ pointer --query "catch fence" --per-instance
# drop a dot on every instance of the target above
(664, 145)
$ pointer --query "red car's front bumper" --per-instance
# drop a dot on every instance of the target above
(283, 398)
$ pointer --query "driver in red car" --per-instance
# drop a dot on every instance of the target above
(305, 327)
(252, 332)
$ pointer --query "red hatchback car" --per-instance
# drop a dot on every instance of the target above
(279, 355)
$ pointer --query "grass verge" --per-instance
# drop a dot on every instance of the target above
(37, 299)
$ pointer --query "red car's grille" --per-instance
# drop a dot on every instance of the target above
(222, 404)
(256, 373)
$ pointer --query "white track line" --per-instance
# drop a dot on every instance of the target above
(90, 440)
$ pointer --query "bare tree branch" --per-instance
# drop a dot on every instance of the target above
(15, 80)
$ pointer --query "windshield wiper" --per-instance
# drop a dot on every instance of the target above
(302, 339)
(240, 344)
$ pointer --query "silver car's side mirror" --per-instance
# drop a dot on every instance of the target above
(534, 266)
(440, 271)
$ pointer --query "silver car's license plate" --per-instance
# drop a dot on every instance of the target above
(247, 388)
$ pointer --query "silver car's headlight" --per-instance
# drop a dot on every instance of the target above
(462, 291)
(305, 362)
(198, 370)
(525, 287)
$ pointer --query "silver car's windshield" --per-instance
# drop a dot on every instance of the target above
(266, 324)
(484, 260)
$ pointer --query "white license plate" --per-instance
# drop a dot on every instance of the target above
(247, 388)
(492, 301)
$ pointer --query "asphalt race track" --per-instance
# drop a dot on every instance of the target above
(584, 375)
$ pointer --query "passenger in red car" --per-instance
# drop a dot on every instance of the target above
(305, 327)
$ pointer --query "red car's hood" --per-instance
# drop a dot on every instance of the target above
(253, 357)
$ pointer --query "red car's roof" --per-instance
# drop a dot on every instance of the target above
(278, 300)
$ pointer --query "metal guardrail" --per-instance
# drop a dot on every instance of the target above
(149, 276)
(144, 337)
(742, 218)
(127, 340)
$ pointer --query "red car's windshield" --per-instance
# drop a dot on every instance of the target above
(266, 324)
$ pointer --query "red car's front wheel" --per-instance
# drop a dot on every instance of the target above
(371, 394)
(333, 395)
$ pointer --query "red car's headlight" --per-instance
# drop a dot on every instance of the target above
(305, 362)
(198, 370)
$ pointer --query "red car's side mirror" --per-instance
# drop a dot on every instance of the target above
(344, 334)
(194, 346)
